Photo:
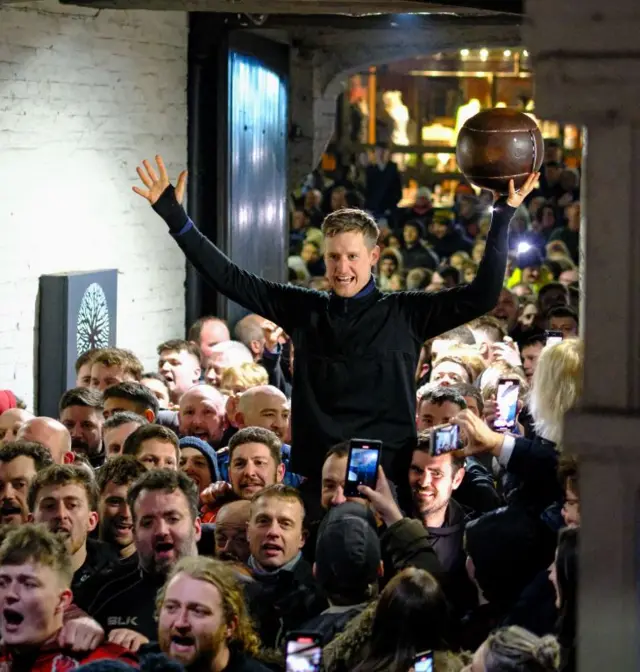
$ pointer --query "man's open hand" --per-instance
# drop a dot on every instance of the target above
(155, 185)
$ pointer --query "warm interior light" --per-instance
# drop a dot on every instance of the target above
(484, 54)
(507, 53)
(464, 53)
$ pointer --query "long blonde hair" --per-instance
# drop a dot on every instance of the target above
(556, 387)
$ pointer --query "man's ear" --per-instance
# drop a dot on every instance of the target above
(65, 600)
(69, 457)
(457, 479)
(280, 471)
(93, 520)
(150, 415)
(375, 255)
(313, 570)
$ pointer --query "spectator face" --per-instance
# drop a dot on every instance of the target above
(85, 426)
(531, 274)
(572, 213)
(231, 532)
(569, 277)
(103, 376)
(164, 530)
(116, 523)
(552, 174)
(159, 390)
(195, 466)
(32, 600)
(191, 624)
(571, 508)
(212, 333)
(10, 422)
(528, 316)
(252, 468)
(181, 370)
(338, 199)
(430, 414)
(547, 218)
(567, 325)
(298, 221)
(469, 274)
(65, 510)
(449, 374)
(349, 262)
(410, 234)
(556, 296)
(202, 415)
(506, 309)
(334, 471)
(437, 283)
(530, 356)
(268, 410)
(439, 229)
(388, 266)
(472, 405)
(275, 531)
(15, 479)
(114, 438)
(157, 454)
(83, 377)
(432, 481)
(478, 251)
(310, 253)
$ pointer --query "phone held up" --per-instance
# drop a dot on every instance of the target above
(362, 465)
(553, 337)
(303, 652)
(507, 401)
(423, 662)
(445, 439)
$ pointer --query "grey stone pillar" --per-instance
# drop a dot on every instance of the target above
(587, 66)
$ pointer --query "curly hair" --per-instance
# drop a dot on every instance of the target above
(218, 574)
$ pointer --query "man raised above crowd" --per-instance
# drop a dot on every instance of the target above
(353, 342)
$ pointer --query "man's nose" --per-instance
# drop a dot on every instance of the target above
(161, 529)
(165, 366)
(338, 497)
(425, 479)
(182, 619)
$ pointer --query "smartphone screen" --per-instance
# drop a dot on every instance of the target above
(423, 662)
(303, 654)
(445, 439)
(553, 337)
(362, 465)
(507, 400)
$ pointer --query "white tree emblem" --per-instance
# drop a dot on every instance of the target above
(92, 329)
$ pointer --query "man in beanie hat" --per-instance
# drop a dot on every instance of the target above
(199, 461)
(347, 567)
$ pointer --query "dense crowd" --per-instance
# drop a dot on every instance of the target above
(213, 514)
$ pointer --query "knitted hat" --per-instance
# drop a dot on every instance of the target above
(207, 451)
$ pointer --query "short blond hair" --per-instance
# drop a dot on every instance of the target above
(125, 359)
(350, 220)
(36, 544)
(245, 376)
(218, 574)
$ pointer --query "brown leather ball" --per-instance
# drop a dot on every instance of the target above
(498, 145)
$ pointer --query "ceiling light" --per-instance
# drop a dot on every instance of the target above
(507, 53)
(464, 53)
(484, 54)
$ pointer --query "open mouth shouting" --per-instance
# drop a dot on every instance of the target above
(344, 281)
(164, 551)
(271, 549)
(11, 620)
(9, 511)
(182, 647)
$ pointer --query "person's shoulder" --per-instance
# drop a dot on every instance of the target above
(241, 662)
(111, 651)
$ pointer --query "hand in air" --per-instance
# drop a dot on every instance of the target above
(273, 336)
(516, 198)
(155, 185)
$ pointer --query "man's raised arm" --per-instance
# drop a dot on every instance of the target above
(274, 301)
(431, 314)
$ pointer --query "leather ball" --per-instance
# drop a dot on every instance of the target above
(498, 145)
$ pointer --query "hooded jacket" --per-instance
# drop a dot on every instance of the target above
(348, 348)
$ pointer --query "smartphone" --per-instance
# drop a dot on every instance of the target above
(303, 652)
(362, 465)
(507, 400)
(423, 662)
(445, 439)
(553, 337)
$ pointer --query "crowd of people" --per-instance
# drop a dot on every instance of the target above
(197, 516)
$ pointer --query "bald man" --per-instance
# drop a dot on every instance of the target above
(10, 422)
(231, 531)
(264, 406)
(249, 331)
(202, 414)
(224, 355)
(52, 434)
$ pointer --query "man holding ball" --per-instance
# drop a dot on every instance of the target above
(356, 348)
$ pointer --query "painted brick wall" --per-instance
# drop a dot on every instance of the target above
(84, 96)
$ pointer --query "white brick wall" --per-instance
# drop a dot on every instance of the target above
(84, 95)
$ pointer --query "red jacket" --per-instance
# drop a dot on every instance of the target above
(51, 658)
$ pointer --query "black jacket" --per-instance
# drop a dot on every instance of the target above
(101, 557)
(354, 373)
(281, 602)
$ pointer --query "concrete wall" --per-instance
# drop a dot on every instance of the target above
(84, 96)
